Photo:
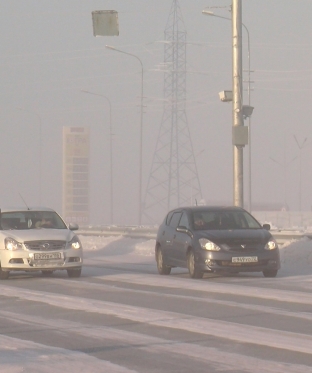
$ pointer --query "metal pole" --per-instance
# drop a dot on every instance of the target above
(141, 132)
(300, 146)
(249, 127)
(238, 170)
(110, 154)
(141, 148)
(209, 13)
(284, 168)
(111, 163)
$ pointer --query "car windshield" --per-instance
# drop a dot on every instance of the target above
(31, 220)
(224, 220)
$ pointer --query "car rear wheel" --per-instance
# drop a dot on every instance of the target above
(74, 272)
(162, 268)
(193, 271)
(4, 275)
(270, 273)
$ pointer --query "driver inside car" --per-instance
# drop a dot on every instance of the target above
(44, 223)
(199, 222)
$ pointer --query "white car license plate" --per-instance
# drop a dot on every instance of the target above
(47, 256)
(244, 259)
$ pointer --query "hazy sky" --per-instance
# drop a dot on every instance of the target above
(49, 54)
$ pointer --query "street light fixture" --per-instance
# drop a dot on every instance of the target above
(110, 152)
(141, 130)
(210, 13)
(40, 148)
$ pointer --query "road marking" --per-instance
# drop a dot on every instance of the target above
(18, 355)
(212, 287)
(222, 360)
(205, 300)
(220, 329)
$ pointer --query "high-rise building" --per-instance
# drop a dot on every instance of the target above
(76, 166)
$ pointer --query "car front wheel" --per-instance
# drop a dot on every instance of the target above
(193, 271)
(162, 268)
(4, 275)
(270, 273)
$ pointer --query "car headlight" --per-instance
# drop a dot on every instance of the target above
(271, 245)
(208, 245)
(74, 243)
(11, 244)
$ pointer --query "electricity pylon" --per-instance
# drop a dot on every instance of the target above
(173, 179)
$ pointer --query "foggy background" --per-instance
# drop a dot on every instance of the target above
(49, 54)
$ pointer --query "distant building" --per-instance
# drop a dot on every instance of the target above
(76, 166)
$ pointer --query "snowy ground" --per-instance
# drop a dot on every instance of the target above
(293, 253)
(18, 356)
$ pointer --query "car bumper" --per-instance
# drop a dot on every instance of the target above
(224, 262)
(21, 260)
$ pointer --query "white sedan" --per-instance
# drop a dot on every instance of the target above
(37, 239)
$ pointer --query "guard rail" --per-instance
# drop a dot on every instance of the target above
(149, 232)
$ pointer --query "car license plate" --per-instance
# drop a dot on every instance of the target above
(47, 256)
(244, 259)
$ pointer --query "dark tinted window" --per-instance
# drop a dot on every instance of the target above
(174, 221)
(169, 217)
(224, 219)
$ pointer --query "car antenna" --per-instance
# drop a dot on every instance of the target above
(24, 201)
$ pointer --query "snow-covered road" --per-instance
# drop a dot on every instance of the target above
(121, 316)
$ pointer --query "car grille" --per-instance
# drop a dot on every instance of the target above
(45, 245)
(244, 245)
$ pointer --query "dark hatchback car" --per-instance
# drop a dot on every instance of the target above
(215, 239)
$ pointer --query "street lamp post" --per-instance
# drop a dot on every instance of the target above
(110, 154)
(249, 126)
(300, 147)
(284, 166)
(40, 148)
(141, 131)
(210, 13)
(238, 124)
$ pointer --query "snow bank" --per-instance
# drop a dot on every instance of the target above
(292, 253)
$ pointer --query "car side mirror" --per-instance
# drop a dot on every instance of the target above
(267, 226)
(182, 228)
(73, 226)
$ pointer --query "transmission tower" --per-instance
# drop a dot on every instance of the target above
(173, 179)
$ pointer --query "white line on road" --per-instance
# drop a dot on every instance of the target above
(221, 360)
(220, 329)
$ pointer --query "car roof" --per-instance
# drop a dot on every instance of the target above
(208, 208)
(24, 209)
